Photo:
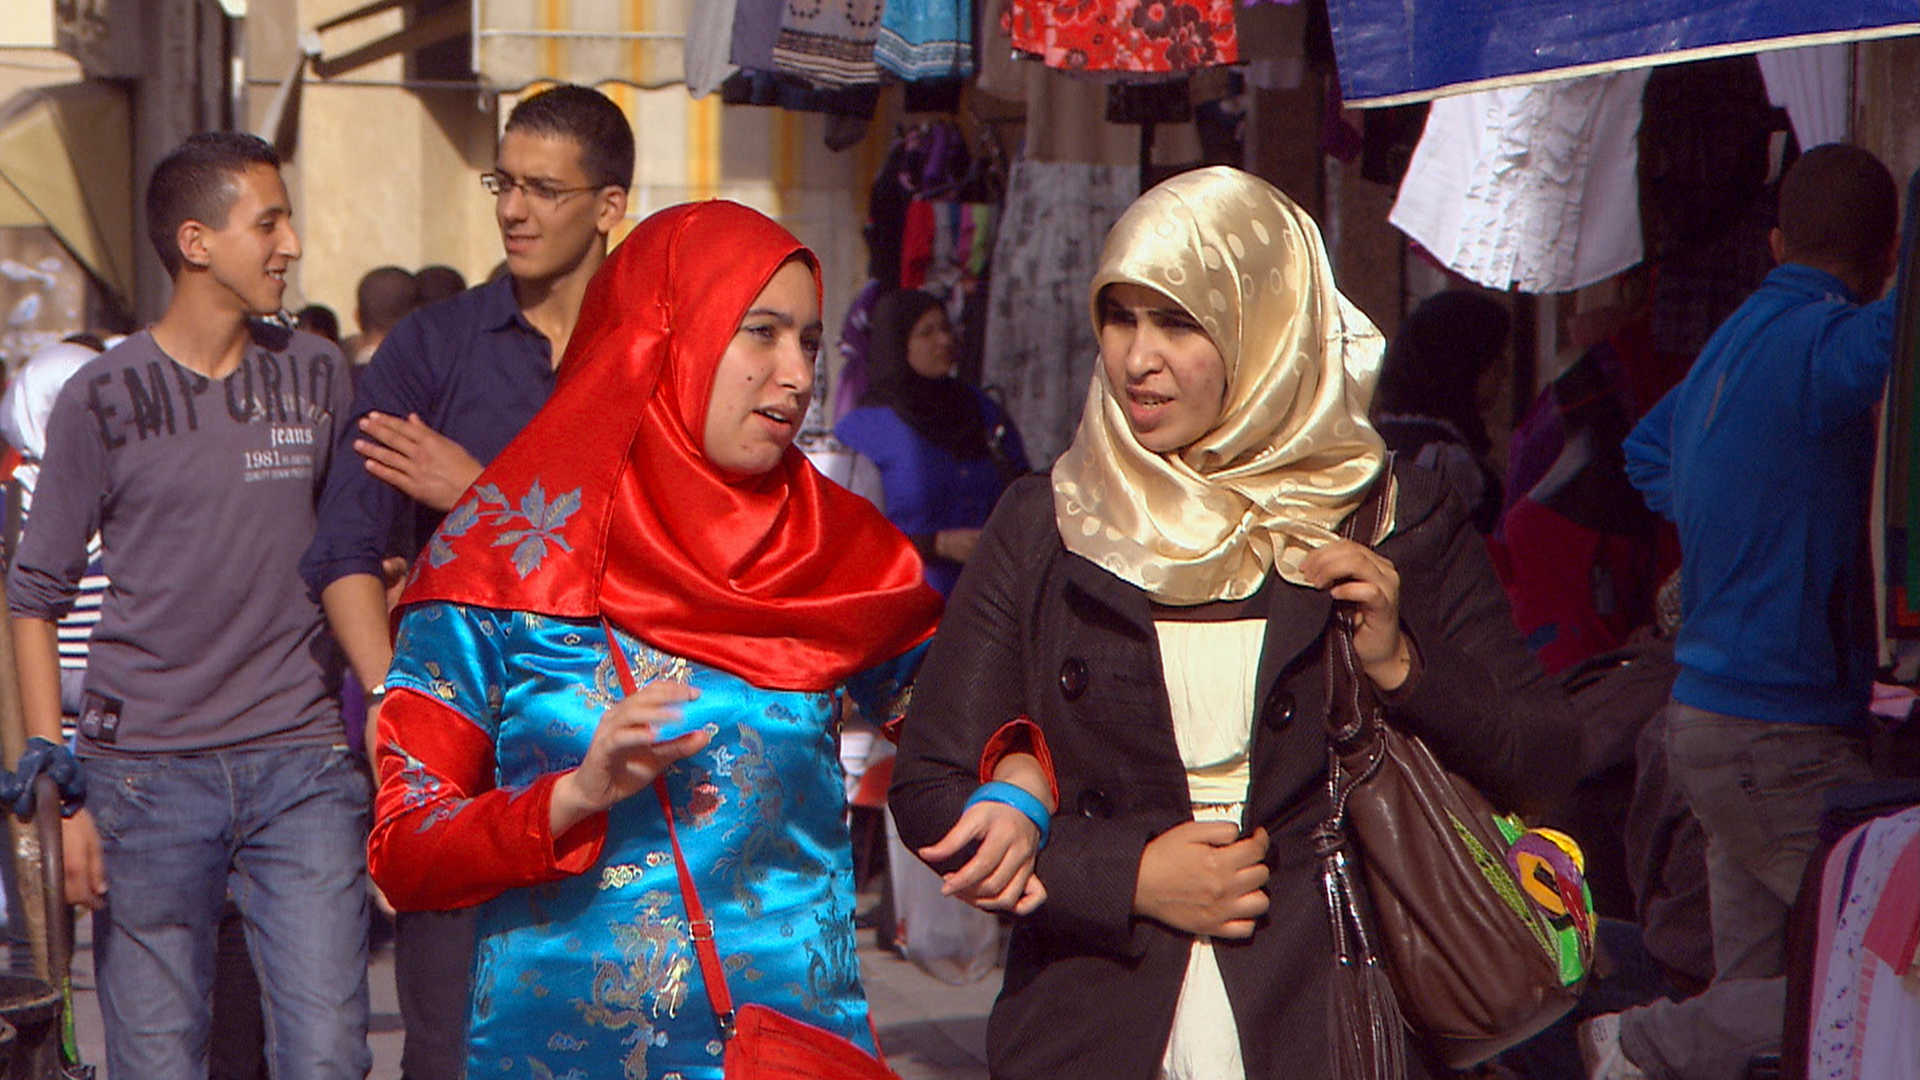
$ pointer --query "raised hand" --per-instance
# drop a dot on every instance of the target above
(1367, 585)
(626, 755)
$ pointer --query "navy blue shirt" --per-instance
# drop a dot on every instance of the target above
(476, 371)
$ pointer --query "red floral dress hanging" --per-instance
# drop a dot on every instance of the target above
(1145, 36)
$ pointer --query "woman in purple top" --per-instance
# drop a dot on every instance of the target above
(944, 449)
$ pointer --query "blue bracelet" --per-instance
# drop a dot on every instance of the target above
(1020, 799)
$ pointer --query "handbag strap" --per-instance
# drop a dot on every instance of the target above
(1367, 525)
(1346, 691)
(1347, 905)
(699, 926)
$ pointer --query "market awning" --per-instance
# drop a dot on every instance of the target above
(639, 42)
(1391, 52)
(66, 162)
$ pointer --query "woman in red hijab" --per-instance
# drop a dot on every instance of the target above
(656, 502)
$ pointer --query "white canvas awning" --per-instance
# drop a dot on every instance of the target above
(638, 42)
(66, 163)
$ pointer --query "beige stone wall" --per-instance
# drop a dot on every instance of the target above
(25, 24)
(380, 174)
(1886, 112)
(381, 180)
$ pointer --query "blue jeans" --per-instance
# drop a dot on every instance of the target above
(285, 830)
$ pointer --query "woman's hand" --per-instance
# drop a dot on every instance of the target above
(1367, 586)
(1000, 875)
(1204, 878)
(624, 757)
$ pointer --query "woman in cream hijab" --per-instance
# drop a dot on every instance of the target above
(1149, 620)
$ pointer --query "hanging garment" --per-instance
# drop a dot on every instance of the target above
(1141, 36)
(1039, 353)
(750, 86)
(1581, 561)
(916, 244)
(1813, 85)
(829, 45)
(1704, 201)
(756, 26)
(1273, 44)
(926, 39)
(709, 45)
(851, 382)
(1531, 187)
(1897, 536)
(1002, 70)
(1866, 1009)
(1577, 590)
(1699, 285)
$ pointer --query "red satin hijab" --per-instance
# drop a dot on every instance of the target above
(606, 505)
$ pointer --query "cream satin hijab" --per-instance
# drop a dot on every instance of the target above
(1292, 453)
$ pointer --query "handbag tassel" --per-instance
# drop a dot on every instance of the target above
(1363, 1015)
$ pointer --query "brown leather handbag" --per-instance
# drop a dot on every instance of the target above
(1482, 928)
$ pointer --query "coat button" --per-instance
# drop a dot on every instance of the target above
(1279, 710)
(1073, 678)
(1093, 803)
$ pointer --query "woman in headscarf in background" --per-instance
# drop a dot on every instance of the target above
(945, 450)
(1427, 407)
(1152, 615)
(655, 503)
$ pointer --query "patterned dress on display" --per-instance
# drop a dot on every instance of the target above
(1140, 36)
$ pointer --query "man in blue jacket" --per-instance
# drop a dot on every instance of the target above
(1763, 457)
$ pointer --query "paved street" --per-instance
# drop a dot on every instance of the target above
(931, 1031)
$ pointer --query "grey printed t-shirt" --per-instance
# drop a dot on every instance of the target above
(203, 492)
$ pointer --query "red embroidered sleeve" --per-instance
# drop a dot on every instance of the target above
(443, 835)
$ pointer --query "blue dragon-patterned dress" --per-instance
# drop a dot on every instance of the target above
(594, 976)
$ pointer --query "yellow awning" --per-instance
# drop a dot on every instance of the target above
(638, 42)
(66, 162)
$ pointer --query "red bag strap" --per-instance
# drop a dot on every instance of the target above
(699, 927)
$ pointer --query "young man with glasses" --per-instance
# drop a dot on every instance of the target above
(450, 386)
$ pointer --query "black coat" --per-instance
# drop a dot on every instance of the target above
(1033, 630)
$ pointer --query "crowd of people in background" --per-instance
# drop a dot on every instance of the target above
(544, 663)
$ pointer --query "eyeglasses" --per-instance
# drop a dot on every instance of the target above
(498, 183)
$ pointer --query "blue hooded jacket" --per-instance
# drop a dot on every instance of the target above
(1763, 457)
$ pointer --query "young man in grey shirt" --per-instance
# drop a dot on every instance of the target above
(210, 735)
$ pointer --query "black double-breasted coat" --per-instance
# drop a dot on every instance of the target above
(1033, 630)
